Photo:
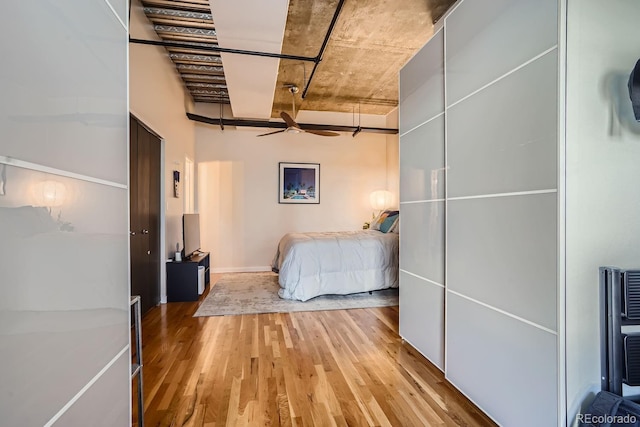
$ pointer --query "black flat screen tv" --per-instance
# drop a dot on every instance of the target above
(190, 234)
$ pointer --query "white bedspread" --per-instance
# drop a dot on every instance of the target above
(312, 264)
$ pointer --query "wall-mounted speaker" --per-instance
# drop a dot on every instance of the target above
(634, 90)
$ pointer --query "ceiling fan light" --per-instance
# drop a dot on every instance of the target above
(293, 130)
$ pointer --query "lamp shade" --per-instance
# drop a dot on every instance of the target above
(380, 199)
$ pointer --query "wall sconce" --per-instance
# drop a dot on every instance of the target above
(380, 199)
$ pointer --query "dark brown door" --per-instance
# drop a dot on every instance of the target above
(144, 194)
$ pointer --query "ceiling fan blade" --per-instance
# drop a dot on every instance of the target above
(288, 120)
(321, 132)
(271, 133)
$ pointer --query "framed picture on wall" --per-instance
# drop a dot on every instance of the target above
(299, 183)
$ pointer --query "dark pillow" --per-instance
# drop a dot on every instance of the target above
(388, 223)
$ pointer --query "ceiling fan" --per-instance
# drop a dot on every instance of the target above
(292, 126)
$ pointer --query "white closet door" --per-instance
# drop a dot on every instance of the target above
(479, 205)
(64, 279)
(422, 212)
(502, 259)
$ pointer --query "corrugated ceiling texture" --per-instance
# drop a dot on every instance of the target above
(189, 24)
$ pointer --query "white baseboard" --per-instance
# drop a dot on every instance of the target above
(241, 269)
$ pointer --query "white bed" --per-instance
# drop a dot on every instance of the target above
(312, 264)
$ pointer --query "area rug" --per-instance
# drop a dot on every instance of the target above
(252, 293)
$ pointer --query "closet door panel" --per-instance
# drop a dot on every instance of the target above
(422, 85)
(68, 87)
(422, 154)
(422, 207)
(144, 183)
(505, 366)
(504, 138)
(64, 261)
(502, 251)
(422, 240)
(485, 39)
(422, 317)
(145, 215)
(153, 221)
(90, 410)
(64, 310)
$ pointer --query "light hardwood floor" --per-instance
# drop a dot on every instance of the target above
(323, 368)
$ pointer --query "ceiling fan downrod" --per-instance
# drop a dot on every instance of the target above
(293, 89)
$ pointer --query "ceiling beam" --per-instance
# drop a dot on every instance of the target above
(282, 125)
(212, 48)
(327, 36)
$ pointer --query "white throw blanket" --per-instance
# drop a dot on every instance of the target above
(312, 264)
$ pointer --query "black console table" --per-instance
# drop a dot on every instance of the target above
(182, 277)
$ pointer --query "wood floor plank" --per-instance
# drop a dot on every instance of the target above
(329, 368)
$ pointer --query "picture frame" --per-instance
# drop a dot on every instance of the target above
(299, 183)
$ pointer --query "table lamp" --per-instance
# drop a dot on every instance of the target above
(380, 199)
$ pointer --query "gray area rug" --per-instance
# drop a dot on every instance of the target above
(252, 293)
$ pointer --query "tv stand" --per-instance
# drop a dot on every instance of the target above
(182, 277)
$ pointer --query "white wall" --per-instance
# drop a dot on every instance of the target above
(241, 219)
(159, 99)
(603, 195)
(393, 158)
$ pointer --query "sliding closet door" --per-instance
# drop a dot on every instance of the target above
(502, 108)
(422, 185)
(478, 252)
(64, 284)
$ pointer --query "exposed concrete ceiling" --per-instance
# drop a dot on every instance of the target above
(358, 73)
(371, 41)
